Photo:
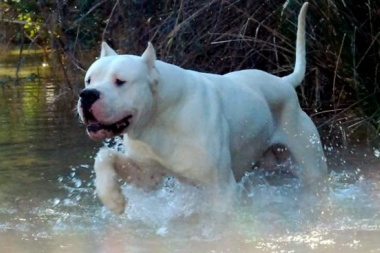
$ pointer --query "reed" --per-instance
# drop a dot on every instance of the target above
(343, 43)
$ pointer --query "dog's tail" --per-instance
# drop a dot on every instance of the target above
(298, 74)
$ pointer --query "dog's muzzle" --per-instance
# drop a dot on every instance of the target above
(95, 128)
(87, 98)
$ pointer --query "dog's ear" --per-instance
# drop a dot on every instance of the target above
(106, 50)
(149, 56)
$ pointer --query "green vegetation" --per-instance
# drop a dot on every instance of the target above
(219, 36)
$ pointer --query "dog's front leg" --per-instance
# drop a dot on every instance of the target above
(107, 187)
(111, 165)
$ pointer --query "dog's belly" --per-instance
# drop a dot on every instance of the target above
(251, 127)
(248, 152)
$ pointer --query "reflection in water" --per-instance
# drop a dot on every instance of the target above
(47, 201)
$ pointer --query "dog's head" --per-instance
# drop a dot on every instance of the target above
(119, 93)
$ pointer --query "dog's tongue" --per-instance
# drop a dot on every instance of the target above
(100, 135)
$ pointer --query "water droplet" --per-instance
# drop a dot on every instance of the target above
(56, 201)
(78, 183)
(162, 231)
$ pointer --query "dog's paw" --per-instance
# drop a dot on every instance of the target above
(112, 197)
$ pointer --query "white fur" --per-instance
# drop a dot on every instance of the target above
(206, 129)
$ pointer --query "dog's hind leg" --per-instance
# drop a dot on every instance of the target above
(301, 137)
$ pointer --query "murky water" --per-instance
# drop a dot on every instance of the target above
(47, 201)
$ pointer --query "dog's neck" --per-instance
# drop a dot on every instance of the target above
(171, 90)
(168, 91)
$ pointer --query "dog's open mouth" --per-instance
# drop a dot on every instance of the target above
(97, 130)
(116, 128)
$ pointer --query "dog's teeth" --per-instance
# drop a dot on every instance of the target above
(121, 124)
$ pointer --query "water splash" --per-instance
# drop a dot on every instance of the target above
(264, 207)
(270, 210)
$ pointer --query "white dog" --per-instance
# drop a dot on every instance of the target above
(205, 129)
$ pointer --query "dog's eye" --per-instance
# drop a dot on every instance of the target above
(88, 81)
(119, 82)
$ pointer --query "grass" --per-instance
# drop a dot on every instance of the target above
(343, 45)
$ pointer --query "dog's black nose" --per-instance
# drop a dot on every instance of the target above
(89, 96)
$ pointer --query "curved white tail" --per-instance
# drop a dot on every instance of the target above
(296, 77)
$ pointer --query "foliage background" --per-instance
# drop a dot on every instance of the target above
(219, 36)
